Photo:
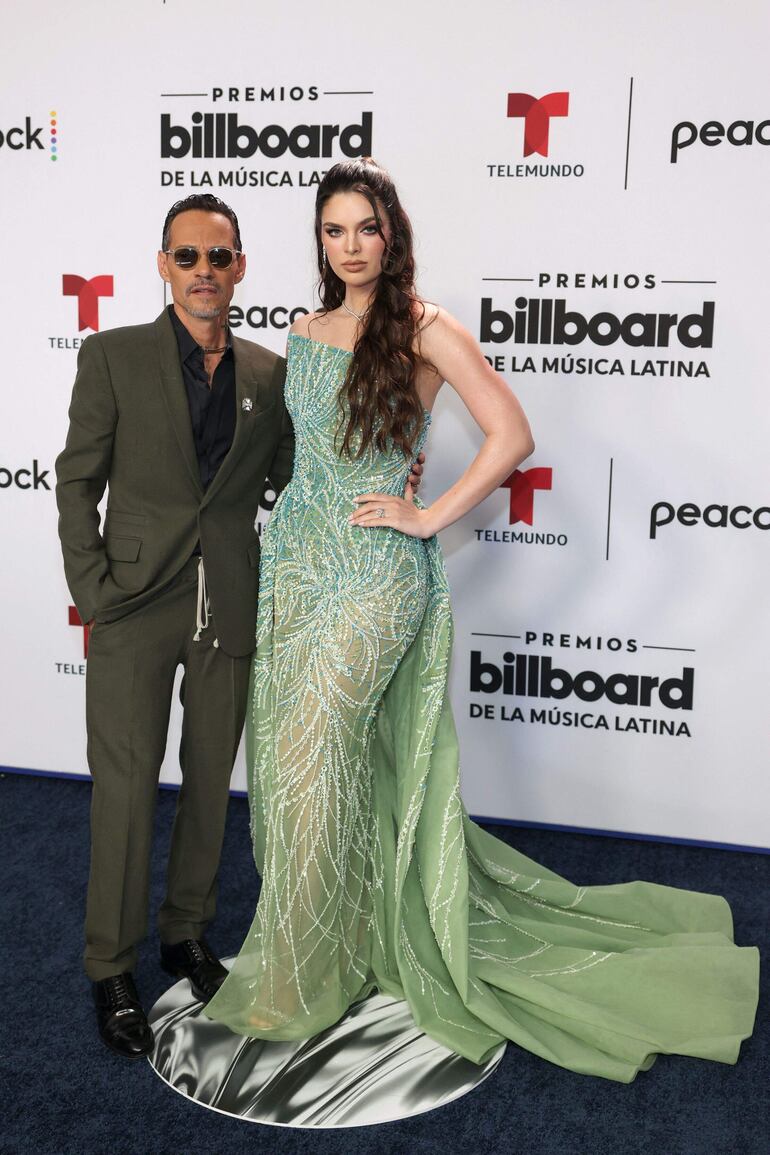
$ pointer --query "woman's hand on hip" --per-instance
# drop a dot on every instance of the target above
(384, 509)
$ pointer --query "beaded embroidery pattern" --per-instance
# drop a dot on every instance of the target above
(372, 873)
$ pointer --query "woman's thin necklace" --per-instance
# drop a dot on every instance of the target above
(358, 316)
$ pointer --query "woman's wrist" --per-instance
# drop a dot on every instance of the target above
(429, 528)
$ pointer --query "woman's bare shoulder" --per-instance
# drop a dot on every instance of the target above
(437, 326)
(301, 325)
(426, 314)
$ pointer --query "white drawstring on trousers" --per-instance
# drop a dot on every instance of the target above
(202, 609)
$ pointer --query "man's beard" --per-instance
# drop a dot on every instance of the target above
(202, 312)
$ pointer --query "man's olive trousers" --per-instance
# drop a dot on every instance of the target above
(129, 685)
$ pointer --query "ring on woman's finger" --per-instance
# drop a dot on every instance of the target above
(380, 512)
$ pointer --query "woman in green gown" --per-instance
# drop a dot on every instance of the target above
(373, 876)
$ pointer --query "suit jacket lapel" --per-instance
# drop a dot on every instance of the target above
(247, 406)
(172, 386)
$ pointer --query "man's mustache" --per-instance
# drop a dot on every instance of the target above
(201, 285)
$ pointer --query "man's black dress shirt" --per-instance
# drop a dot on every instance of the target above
(212, 410)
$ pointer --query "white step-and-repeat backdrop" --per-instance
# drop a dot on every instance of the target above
(588, 184)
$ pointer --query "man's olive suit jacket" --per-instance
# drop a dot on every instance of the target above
(130, 431)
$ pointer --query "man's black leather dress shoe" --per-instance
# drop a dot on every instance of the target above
(194, 960)
(122, 1022)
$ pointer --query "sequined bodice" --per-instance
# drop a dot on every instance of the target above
(315, 373)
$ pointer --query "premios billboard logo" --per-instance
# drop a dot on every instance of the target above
(520, 678)
(576, 317)
(30, 136)
(536, 113)
(268, 137)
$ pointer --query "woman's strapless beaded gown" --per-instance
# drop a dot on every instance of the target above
(372, 874)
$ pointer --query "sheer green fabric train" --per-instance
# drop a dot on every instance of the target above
(372, 873)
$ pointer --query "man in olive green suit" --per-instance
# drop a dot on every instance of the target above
(184, 424)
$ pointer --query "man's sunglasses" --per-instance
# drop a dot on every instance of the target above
(187, 256)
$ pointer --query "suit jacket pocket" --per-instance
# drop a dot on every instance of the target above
(127, 518)
(122, 548)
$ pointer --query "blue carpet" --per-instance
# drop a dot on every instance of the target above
(64, 1093)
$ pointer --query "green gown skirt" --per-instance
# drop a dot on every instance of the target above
(373, 876)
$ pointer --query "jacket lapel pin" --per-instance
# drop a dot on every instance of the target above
(247, 405)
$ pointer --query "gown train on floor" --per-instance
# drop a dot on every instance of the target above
(373, 876)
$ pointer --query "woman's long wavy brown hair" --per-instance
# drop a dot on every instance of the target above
(378, 397)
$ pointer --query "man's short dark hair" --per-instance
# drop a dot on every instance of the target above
(202, 202)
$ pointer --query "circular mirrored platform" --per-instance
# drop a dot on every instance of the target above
(374, 1066)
